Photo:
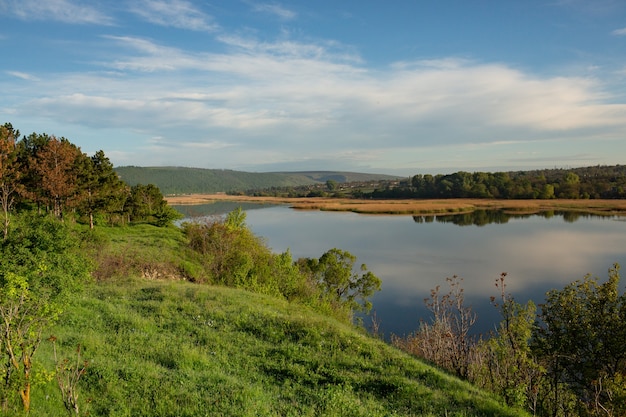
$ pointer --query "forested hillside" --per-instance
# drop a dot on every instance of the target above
(182, 180)
(585, 182)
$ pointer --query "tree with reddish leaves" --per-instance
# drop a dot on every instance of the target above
(10, 184)
(55, 165)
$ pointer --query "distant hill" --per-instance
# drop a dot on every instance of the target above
(181, 180)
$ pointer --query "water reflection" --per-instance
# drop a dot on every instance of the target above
(484, 217)
(539, 252)
(216, 208)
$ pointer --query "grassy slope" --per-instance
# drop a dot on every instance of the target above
(181, 180)
(173, 348)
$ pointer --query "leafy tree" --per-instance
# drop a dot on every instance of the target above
(100, 188)
(581, 338)
(334, 274)
(40, 268)
(147, 204)
(54, 165)
(9, 171)
(27, 149)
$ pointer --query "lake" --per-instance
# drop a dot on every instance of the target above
(413, 254)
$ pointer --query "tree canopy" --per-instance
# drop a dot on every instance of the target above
(53, 175)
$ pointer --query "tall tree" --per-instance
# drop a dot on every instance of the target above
(99, 186)
(27, 149)
(9, 171)
(55, 164)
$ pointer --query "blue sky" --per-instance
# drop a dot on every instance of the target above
(400, 87)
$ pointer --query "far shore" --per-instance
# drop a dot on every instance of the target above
(415, 206)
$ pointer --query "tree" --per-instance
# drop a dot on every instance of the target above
(147, 204)
(55, 165)
(100, 187)
(334, 274)
(9, 171)
(40, 268)
(581, 338)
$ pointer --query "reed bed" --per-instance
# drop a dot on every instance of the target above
(414, 206)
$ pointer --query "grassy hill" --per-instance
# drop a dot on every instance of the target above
(170, 348)
(180, 180)
(157, 345)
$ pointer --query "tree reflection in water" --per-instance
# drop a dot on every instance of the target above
(484, 217)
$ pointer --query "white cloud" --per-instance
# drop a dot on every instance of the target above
(619, 32)
(67, 11)
(275, 9)
(292, 100)
(175, 13)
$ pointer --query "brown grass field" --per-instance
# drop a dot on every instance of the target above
(600, 207)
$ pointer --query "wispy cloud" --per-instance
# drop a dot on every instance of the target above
(274, 9)
(67, 11)
(174, 13)
(22, 75)
(619, 32)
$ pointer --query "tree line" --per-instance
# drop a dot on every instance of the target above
(565, 358)
(607, 182)
(596, 182)
(51, 174)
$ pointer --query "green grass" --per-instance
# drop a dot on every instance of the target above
(143, 250)
(159, 348)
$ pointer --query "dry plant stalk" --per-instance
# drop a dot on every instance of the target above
(68, 374)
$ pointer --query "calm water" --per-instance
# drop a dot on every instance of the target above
(414, 254)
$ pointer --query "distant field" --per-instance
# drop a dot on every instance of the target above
(617, 207)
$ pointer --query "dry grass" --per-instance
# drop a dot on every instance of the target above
(416, 206)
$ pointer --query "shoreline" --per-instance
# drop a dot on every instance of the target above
(415, 206)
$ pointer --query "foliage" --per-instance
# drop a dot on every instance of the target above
(587, 182)
(54, 175)
(54, 166)
(9, 172)
(334, 274)
(581, 339)
(504, 362)
(39, 269)
(147, 204)
(233, 256)
(568, 360)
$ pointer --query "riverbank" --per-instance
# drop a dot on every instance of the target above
(422, 207)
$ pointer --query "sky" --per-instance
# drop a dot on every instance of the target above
(399, 87)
